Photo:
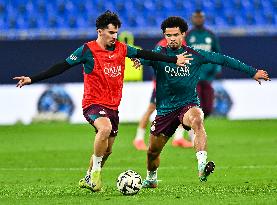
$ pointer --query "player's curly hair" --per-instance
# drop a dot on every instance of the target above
(107, 18)
(175, 21)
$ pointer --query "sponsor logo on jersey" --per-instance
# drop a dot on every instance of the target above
(177, 71)
(112, 71)
(192, 39)
(208, 40)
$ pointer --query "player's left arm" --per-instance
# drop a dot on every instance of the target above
(220, 59)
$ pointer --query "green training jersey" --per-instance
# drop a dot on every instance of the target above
(83, 55)
(176, 86)
(202, 38)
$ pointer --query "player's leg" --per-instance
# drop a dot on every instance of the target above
(205, 93)
(86, 182)
(92, 179)
(109, 150)
(179, 140)
(106, 123)
(139, 138)
(200, 93)
(104, 146)
(162, 128)
(96, 174)
(106, 155)
(104, 128)
(156, 144)
(194, 118)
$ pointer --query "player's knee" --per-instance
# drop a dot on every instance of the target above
(197, 122)
(105, 131)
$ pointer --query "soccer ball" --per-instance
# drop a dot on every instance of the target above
(129, 182)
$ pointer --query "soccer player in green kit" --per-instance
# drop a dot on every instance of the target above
(177, 101)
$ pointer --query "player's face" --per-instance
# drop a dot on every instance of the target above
(108, 35)
(198, 19)
(174, 37)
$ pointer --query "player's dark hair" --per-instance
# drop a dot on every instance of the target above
(107, 18)
(174, 21)
(198, 11)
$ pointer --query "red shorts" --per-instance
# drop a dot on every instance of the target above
(93, 112)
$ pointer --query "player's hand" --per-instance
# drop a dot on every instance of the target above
(136, 62)
(183, 59)
(261, 74)
(22, 81)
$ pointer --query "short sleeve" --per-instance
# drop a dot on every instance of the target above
(76, 57)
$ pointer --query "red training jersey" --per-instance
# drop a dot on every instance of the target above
(103, 86)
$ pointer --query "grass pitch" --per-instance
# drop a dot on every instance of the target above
(42, 164)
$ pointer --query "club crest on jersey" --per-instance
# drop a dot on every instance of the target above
(102, 112)
(205, 47)
(177, 71)
(112, 70)
(153, 128)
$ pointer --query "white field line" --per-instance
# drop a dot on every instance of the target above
(121, 168)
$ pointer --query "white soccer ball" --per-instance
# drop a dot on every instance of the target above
(129, 182)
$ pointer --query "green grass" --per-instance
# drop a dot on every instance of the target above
(42, 164)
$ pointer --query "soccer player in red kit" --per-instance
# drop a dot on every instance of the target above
(103, 67)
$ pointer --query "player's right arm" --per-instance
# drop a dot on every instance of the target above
(75, 58)
(140, 61)
(179, 60)
(157, 49)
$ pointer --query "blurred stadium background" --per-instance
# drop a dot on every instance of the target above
(37, 34)
(26, 19)
(34, 34)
